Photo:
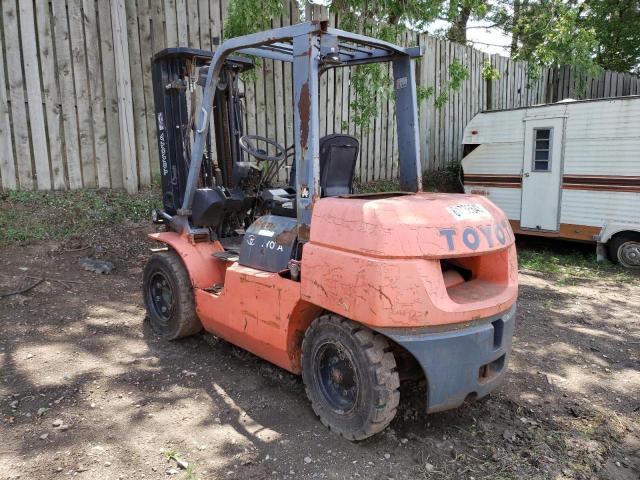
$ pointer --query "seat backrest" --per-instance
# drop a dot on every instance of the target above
(338, 155)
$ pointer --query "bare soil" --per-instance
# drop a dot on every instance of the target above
(75, 351)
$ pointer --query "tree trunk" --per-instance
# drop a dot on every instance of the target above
(458, 30)
(515, 29)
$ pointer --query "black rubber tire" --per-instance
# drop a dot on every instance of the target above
(182, 320)
(375, 367)
(616, 243)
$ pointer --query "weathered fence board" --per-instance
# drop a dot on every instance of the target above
(7, 165)
(125, 100)
(110, 95)
(17, 95)
(96, 93)
(79, 112)
(34, 95)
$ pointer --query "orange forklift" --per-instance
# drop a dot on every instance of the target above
(355, 292)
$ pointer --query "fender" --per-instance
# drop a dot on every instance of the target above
(204, 270)
(610, 229)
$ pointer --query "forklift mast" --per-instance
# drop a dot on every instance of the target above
(176, 74)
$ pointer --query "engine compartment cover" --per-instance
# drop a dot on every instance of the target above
(269, 243)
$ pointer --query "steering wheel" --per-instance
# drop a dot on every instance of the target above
(247, 145)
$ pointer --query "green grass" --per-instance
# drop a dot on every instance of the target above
(35, 216)
(572, 264)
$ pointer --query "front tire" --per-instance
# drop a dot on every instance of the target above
(350, 376)
(625, 249)
(168, 296)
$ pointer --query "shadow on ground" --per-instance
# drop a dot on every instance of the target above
(81, 351)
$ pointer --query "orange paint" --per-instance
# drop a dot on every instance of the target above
(377, 260)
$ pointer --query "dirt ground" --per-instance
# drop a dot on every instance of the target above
(87, 390)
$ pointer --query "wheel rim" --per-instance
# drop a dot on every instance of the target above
(160, 296)
(337, 377)
(629, 254)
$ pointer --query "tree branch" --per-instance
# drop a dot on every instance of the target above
(488, 44)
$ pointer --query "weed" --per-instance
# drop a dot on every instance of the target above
(171, 454)
(34, 216)
(191, 472)
(445, 179)
(377, 186)
(571, 266)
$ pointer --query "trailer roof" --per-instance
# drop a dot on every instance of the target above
(563, 102)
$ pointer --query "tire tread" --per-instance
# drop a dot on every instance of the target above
(381, 365)
(187, 318)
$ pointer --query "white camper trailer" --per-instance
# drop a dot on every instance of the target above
(568, 170)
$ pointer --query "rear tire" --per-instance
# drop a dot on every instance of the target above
(350, 376)
(624, 248)
(168, 296)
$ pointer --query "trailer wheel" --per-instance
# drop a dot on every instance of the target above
(624, 248)
(168, 297)
(350, 377)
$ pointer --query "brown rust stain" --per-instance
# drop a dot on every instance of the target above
(287, 237)
(304, 107)
(303, 232)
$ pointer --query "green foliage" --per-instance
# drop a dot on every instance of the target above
(424, 93)
(33, 216)
(371, 83)
(489, 72)
(552, 34)
(458, 73)
(386, 20)
(616, 24)
(587, 34)
(249, 16)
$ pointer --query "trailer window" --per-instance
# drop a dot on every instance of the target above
(542, 149)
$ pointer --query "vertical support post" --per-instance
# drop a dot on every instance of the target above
(404, 79)
(201, 131)
(306, 128)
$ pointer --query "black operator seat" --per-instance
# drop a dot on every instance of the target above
(338, 156)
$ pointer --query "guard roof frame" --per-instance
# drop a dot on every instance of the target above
(313, 47)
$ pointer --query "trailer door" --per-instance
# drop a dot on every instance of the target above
(541, 173)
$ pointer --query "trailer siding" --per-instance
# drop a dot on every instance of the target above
(600, 164)
(579, 207)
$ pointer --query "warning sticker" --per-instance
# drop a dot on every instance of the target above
(468, 211)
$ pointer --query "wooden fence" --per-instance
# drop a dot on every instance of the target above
(76, 102)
